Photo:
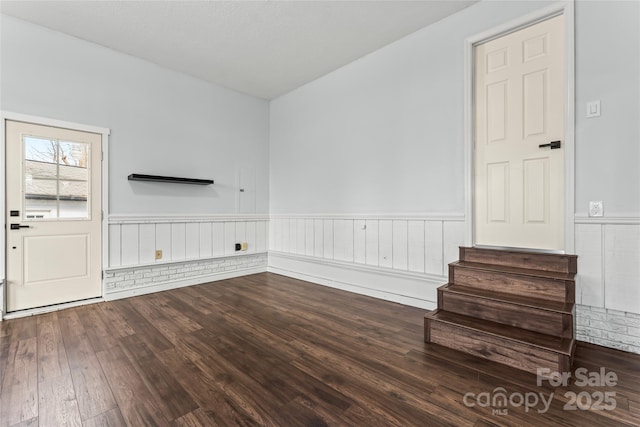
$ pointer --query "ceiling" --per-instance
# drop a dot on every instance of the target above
(261, 48)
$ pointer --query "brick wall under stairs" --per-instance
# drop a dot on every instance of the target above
(515, 308)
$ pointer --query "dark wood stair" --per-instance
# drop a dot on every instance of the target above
(513, 307)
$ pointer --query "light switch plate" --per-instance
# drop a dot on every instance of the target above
(593, 109)
(596, 208)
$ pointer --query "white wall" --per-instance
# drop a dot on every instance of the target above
(608, 69)
(162, 122)
(384, 133)
(382, 138)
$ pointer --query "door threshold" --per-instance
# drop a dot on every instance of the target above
(49, 308)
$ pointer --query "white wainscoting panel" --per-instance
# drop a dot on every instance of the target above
(309, 236)
(261, 236)
(372, 248)
(385, 243)
(178, 241)
(328, 238)
(192, 243)
(129, 244)
(147, 246)
(206, 239)
(608, 252)
(285, 237)
(229, 238)
(250, 236)
(406, 251)
(301, 242)
(360, 241)
(400, 240)
(133, 240)
(318, 238)
(163, 241)
(217, 233)
(622, 267)
(590, 279)
(434, 248)
(416, 246)
(452, 238)
(342, 240)
(115, 245)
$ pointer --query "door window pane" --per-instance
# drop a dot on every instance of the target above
(56, 179)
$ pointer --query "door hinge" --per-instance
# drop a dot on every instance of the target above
(102, 275)
(102, 156)
(102, 215)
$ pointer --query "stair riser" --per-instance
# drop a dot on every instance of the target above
(530, 318)
(514, 284)
(498, 349)
(545, 262)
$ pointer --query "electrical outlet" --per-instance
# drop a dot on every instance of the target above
(238, 246)
(243, 246)
(158, 254)
(596, 208)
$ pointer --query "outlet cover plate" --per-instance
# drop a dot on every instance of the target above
(593, 109)
(596, 208)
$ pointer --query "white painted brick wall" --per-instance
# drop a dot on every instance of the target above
(139, 277)
(608, 328)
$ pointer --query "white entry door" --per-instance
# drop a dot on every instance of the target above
(519, 125)
(53, 215)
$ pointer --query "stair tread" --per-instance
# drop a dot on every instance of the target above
(561, 307)
(514, 270)
(544, 341)
(521, 258)
(527, 252)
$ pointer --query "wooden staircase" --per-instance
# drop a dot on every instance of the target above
(515, 308)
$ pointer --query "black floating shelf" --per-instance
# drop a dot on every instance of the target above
(173, 179)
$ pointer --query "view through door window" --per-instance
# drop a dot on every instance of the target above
(56, 179)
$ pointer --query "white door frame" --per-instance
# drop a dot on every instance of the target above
(105, 132)
(566, 8)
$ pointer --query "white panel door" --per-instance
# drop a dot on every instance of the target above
(53, 215)
(519, 107)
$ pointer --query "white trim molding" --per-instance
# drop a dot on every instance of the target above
(565, 8)
(427, 216)
(629, 219)
(174, 218)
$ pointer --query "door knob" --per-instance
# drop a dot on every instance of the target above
(553, 145)
(18, 226)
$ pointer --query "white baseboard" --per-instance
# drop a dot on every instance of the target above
(125, 293)
(391, 285)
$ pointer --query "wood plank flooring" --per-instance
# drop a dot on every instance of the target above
(270, 350)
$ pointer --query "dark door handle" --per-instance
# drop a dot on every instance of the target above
(18, 226)
(553, 145)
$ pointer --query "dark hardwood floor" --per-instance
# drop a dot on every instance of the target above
(270, 350)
